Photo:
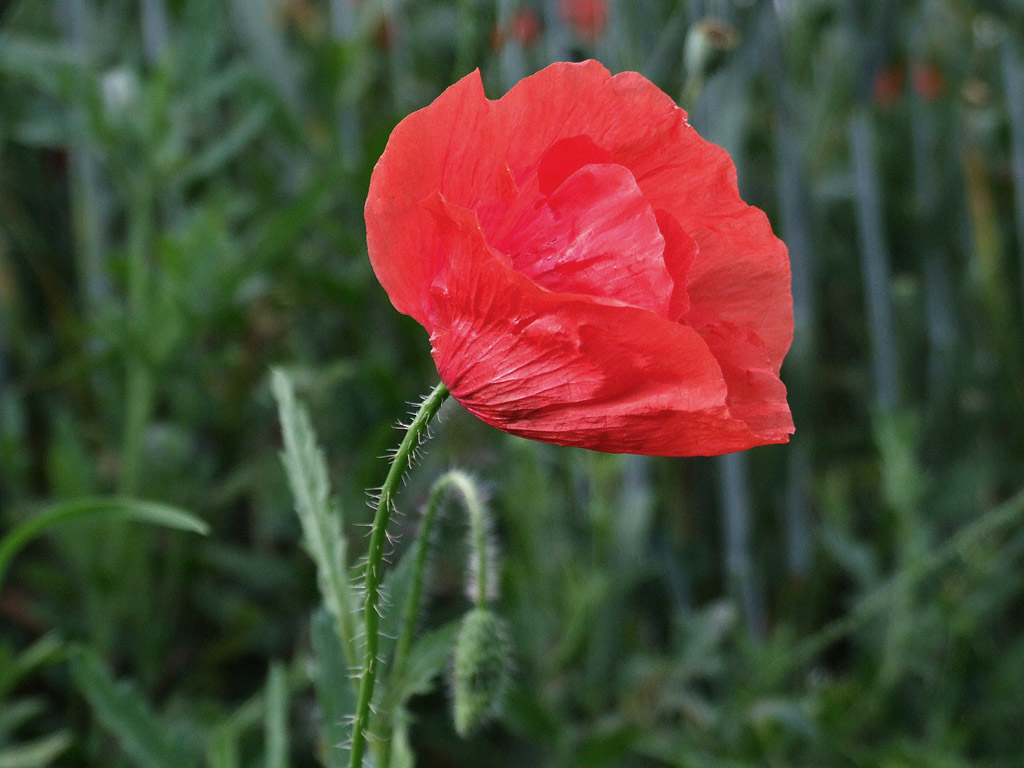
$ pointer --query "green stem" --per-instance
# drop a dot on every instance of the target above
(453, 480)
(138, 384)
(375, 559)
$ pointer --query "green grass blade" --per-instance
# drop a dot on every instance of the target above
(15, 714)
(36, 754)
(46, 650)
(276, 718)
(222, 751)
(126, 714)
(128, 509)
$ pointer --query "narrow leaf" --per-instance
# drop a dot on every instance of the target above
(17, 713)
(427, 659)
(46, 650)
(222, 751)
(276, 719)
(128, 509)
(306, 468)
(123, 711)
(334, 693)
(226, 148)
(36, 754)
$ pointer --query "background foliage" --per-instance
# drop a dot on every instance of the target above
(181, 189)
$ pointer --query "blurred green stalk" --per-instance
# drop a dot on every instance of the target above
(739, 566)
(512, 57)
(793, 202)
(86, 191)
(940, 323)
(466, 39)
(139, 383)
(1013, 83)
(556, 34)
(343, 28)
(874, 260)
(154, 29)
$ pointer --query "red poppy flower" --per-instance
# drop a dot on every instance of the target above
(525, 27)
(887, 86)
(586, 17)
(929, 82)
(585, 267)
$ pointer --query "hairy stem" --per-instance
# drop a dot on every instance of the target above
(375, 559)
(461, 483)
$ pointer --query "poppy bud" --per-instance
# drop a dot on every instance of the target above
(708, 43)
(119, 88)
(481, 671)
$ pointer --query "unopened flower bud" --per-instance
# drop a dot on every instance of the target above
(707, 45)
(481, 672)
(120, 92)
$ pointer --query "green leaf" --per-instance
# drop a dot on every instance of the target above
(128, 509)
(45, 64)
(334, 693)
(427, 659)
(36, 754)
(402, 755)
(17, 713)
(321, 523)
(276, 717)
(226, 148)
(123, 711)
(46, 650)
(222, 751)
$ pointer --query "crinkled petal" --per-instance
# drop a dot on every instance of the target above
(741, 273)
(564, 158)
(680, 253)
(569, 369)
(756, 394)
(477, 152)
(453, 146)
(596, 235)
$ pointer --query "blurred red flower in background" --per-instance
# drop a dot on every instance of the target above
(887, 87)
(523, 27)
(585, 267)
(929, 82)
(586, 17)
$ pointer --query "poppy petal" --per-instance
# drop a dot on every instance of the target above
(595, 235)
(680, 252)
(741, 274)
(569, 369)
(565, 157)
(756, 394)
(447, 146)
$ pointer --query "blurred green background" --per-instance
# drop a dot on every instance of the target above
(181, 191)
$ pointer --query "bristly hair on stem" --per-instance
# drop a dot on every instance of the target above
(414, 435)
